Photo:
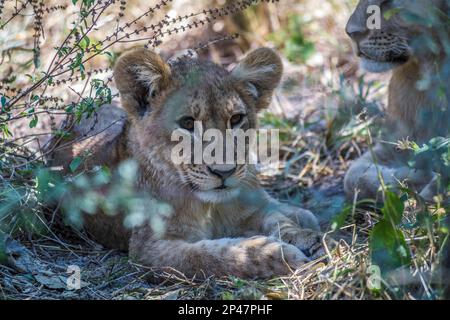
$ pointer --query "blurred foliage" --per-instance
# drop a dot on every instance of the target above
(389, 249)
(76, 194)
(356, 112)
(99, 190)
(437, 153)
(387, 244)
(287, 128)
(292, 40)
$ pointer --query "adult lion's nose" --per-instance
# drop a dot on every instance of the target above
(356, 35)
(355, 31)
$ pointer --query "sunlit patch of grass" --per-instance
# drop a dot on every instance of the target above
(292, 40)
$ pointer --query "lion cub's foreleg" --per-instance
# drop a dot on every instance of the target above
(273, 240)
(294, 226)
(257, 256)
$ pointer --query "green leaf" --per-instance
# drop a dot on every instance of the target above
(49, 185)
(391, 12)
(84, 43)
(5, 130)
(227, 295)
(339, 220)
(88, 3)
(393, 208)
(34, 121)
(3, 101)
(76, 162)
(388, 248)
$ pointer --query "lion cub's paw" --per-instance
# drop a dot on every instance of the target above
(271, 257)
(303, 218)
(311, 242)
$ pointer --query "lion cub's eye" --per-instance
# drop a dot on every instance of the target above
(236, 119)
(187, 123)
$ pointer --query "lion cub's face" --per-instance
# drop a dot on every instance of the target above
(391, 45)
(162, 97)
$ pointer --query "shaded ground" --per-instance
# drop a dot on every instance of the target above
(108, 274)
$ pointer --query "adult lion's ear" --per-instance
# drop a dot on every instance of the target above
(140, 74)
(258, 74)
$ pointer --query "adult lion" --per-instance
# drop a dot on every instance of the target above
(415, 112)
(222, 222)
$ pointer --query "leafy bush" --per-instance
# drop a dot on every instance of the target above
(292, 40)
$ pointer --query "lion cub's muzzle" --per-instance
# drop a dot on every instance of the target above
(223, 171)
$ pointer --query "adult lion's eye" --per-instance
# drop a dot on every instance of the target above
(384, 3)
(236, 119)
(187, 123)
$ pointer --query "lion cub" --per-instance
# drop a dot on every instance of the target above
(222, 222)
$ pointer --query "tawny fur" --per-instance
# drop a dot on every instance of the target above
(243, 232)
(412, 114)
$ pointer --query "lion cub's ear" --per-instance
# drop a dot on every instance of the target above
(140, 74)
(258, 74)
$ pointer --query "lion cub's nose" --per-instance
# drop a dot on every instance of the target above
(222, 171)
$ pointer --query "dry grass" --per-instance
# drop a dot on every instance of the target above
(108, 274)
